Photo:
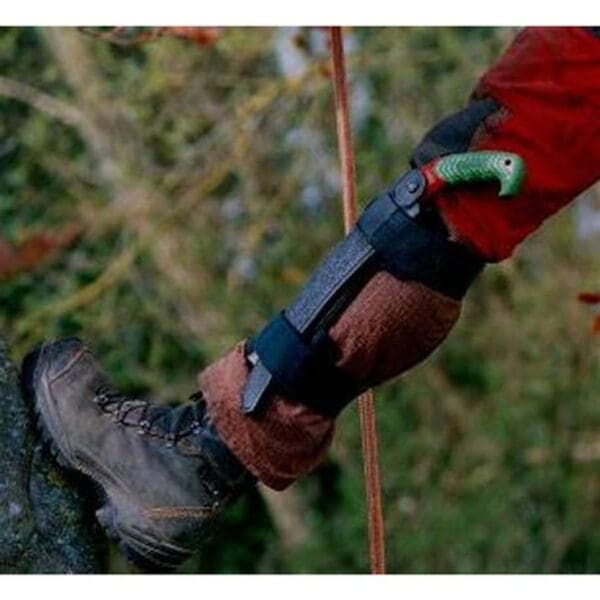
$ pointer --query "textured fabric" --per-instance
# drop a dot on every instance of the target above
(392, 326)
(548, 83)
(389, 327)
(289, 438)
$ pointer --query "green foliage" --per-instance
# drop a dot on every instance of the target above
(206, 183)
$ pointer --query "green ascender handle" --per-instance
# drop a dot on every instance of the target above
(486, 165)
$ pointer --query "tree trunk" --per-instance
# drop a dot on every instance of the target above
(45, 520)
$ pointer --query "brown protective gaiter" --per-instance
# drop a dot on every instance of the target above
(389, 327)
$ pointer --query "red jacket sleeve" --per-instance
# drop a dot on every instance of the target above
(548, 84)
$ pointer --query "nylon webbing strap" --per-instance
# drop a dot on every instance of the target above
(365, 402)
(303, 370)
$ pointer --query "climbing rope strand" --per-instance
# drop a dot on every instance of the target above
(365, 403)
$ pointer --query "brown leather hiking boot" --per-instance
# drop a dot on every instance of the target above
(164, 472)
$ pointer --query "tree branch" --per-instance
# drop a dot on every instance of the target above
(57, 109)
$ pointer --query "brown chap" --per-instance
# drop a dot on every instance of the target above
(390, 326)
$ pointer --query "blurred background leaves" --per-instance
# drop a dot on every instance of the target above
(163, 199)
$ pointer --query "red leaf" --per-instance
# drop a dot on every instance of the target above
(589, 297)
(202, 36)
(36, 249)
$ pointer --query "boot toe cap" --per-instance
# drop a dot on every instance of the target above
(58, 356)
(50, 359)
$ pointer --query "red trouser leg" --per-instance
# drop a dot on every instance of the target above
(548, 84)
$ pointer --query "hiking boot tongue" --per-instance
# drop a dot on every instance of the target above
(174, 423)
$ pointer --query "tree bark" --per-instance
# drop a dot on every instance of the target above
(45, 518)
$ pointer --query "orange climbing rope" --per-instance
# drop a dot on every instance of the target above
(365, 403)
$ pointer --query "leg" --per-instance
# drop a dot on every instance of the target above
(167, 472)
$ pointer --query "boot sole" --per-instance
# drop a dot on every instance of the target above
(143, 551)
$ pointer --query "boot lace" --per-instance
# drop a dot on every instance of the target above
(166, 422)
